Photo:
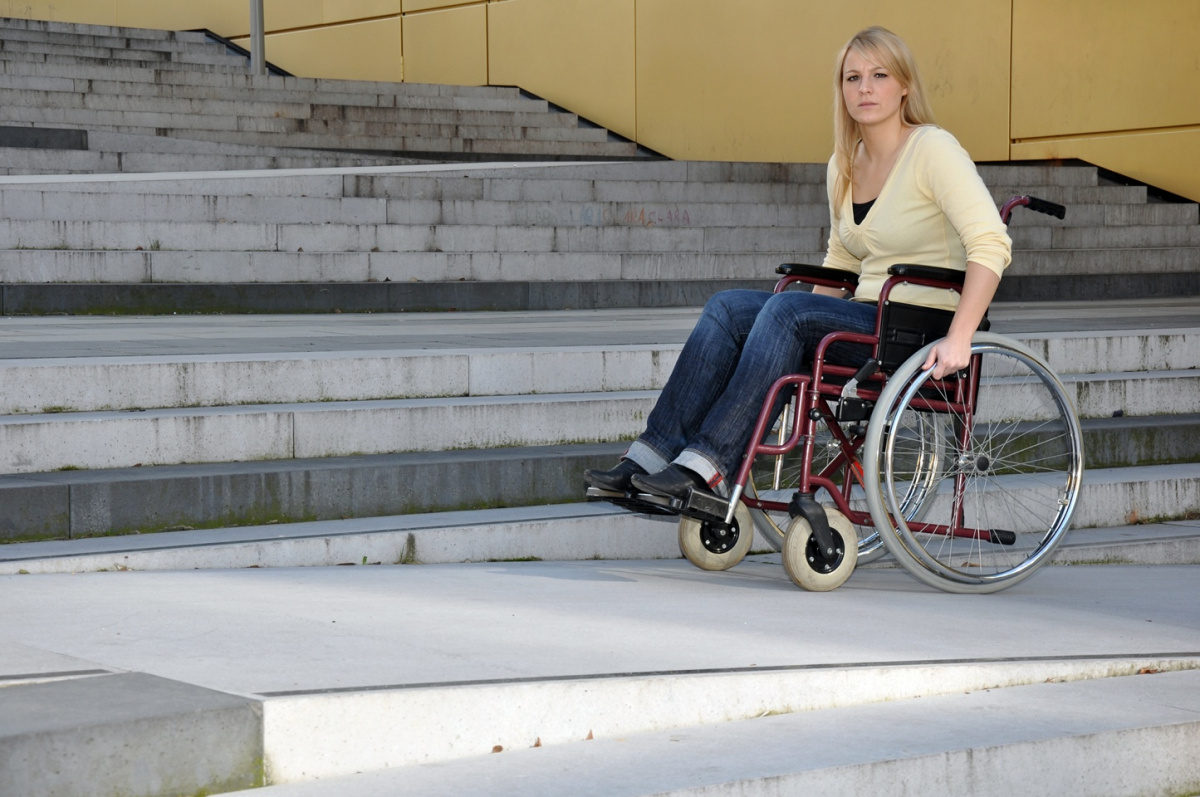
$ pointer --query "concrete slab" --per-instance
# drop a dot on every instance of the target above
(350, 662)
(256, 631)
(79, 336)
(126, 733)
(1119, 736)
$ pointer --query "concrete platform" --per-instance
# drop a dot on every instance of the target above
(392, 669)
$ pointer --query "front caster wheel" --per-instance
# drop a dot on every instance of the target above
(710, 547)
(804, 562)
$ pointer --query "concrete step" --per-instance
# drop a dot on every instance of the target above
(1041, 174)
(58, 28)
(40, 442)
(1143, 515)
(423, 662)
(116, 439)
(198, 63)
(17, 204)
(615, 383)
(259, 121)
(26, 161)
(72, 736)
(983, 742)
(470, 207)
(321, 281)
(325, 90)
(1185, 236)
(1136, 373)
(153, 203)
(236, 236)
(679, 180)
(423, 146)
(65, 95)
(87, 503)
(142, 298)
(186, 43)
(451, 182)
(1093, 262)
(1066, 195)
(95, 384)
(36, 52)
(78, 504)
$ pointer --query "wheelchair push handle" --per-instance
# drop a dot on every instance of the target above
(1033, 203)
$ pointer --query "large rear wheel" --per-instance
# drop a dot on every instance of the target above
(1001, 499)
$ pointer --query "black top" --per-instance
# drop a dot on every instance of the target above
(861, 209)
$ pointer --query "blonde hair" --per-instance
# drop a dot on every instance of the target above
(889, 51)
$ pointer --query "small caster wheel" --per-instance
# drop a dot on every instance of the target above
(807, 566)
(710, 547)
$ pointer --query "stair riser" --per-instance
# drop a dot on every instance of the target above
(77, 504)
(36, 205)
(65, 386)
(95, 440)
(79, 95)
(231, 236)
(161, 437)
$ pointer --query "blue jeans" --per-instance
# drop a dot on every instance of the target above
(743, 342)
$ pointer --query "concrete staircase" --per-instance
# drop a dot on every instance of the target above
(131, 100)
(307, 420)
(295, 427)
(497, 237)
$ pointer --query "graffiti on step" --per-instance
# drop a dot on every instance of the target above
(611, 216)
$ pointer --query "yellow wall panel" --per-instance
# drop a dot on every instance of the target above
(88, 12)
(447, 46)
(348, 10)
(410, 6)
(1086, 66)
(284, 14)
(1167, 159)
(753, 80)
(229, 18)
(226, 17)
(358, 51)
(584, 58)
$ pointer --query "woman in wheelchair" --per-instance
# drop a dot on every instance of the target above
(901, 190)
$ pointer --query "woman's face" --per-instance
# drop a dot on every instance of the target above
(872, 95)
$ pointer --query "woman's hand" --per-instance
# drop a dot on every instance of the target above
(949, 355)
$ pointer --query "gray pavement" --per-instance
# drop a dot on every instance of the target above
(360, 669)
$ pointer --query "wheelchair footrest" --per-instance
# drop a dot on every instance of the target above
(640, 503)
(704, 506)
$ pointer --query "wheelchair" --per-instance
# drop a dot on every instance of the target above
(968, 482)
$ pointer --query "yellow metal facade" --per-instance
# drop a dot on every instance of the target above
(1109, 81)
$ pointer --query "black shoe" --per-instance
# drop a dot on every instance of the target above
(617, 479)
(672, 482)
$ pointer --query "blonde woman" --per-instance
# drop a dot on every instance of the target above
(901, 190)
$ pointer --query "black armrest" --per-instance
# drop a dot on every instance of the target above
(928, 272)
(801, 270)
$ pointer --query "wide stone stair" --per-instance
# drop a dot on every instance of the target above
(94, 99)
(541, 237)
(124, 424)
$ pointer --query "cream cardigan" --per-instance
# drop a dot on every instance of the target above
(933, 210)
